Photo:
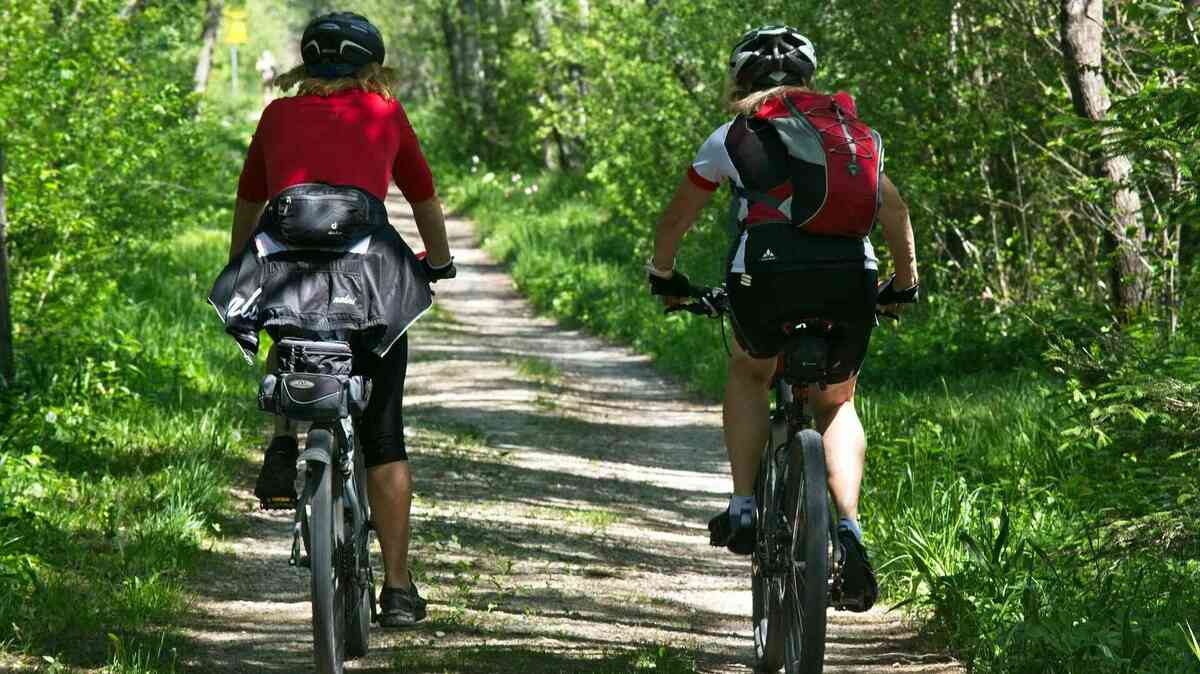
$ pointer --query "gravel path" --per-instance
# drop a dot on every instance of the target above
(562, 492)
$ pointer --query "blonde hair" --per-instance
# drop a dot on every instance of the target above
(747, 103)
(372, 77)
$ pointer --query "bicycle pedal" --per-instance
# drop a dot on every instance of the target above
(277, 503)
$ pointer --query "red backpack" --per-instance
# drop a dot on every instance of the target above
(834, 163)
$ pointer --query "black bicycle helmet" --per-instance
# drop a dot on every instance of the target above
(338, 44)
(772, 56)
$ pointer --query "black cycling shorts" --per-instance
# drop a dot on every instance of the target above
(381, 429)
(844, 296)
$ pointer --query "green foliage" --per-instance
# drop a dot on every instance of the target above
(118, 437)
(981, 134)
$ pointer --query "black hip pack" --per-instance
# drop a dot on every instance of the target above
(318, 215)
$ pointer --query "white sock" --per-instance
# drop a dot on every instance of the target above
(741, 508)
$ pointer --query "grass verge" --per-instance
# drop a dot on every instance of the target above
(136, 442)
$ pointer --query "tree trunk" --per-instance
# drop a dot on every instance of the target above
(6, 345)
(1082, 23)
(463, 22)
(208, 42)
(132, 8)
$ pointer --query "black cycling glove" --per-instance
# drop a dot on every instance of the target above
(676, 286)
(435, 274)
(889, 295)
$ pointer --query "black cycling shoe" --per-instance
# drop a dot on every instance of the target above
(859, 590)
(276, 484)
(401, 608)
(737, 537)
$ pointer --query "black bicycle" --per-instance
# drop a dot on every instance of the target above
(796, 565)
(333, 517)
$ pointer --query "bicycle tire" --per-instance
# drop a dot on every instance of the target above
(359, 587)
(767, 590)
(327, 532)
(806, 591)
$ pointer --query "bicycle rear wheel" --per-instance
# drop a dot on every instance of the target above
(327, 533)
(767, 585)
(359, 584)
(806, 585)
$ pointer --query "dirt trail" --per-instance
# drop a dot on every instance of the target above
(562, 492)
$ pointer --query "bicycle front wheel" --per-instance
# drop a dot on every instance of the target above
(327, 531)
(806, 585)
(360, 588)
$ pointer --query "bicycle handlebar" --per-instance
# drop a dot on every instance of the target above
(712, 302)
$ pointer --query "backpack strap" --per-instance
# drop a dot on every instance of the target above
(792, 107)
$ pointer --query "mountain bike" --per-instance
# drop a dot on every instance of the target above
(333, 517)
(797, 562)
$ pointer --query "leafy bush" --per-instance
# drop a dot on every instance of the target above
(118, 436)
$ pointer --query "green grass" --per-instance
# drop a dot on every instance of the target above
(1032, 521)
(599, 519)
(135, 443)
(537, 370)
(1193, 644)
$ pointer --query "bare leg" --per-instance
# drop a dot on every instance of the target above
(389, 487)
(747, 406)
(845, 443)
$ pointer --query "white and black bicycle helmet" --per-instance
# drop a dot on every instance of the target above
(338, 44)
(772, 56)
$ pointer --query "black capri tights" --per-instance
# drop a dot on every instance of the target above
(381, 428)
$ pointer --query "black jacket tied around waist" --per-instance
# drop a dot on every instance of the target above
(323, 262)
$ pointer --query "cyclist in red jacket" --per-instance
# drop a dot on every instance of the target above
(795, 274)
(345, 128)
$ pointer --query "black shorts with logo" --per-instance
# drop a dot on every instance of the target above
(794, 283)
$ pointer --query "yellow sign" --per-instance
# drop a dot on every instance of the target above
(235, 26)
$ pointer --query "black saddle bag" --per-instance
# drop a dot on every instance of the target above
(317, 215)
(314, 383)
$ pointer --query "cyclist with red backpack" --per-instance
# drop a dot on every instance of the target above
(808, 186)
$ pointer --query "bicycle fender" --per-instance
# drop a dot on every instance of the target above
(319, 447)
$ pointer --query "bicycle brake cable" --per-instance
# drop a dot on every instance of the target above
(725, 338)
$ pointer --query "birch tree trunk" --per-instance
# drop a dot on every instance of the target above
(208, 42)
(1082, 23)
(462, 29)
(6, 345)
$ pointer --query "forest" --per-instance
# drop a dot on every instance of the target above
(1033, 424)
